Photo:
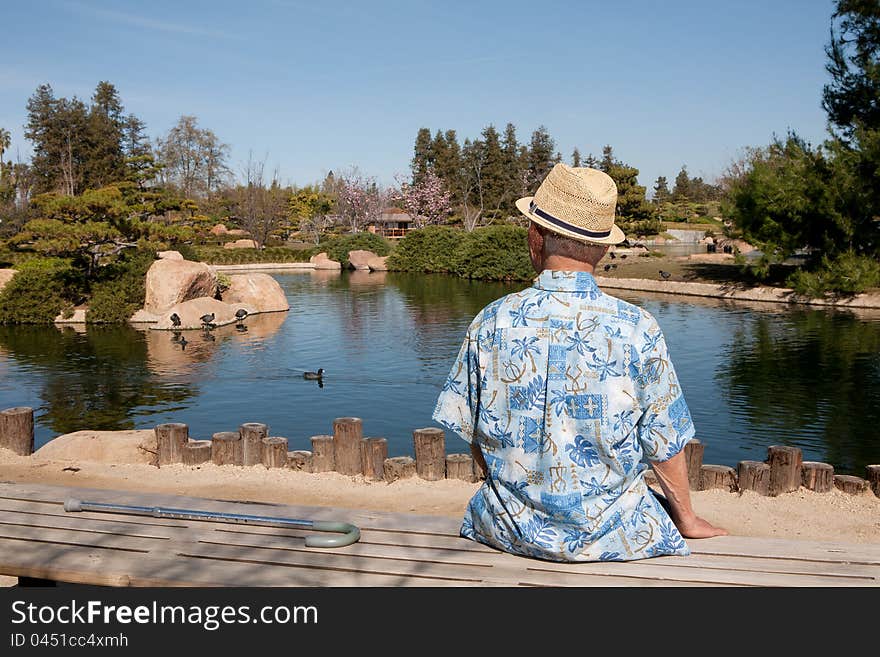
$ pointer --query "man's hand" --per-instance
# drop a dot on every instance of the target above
(672, 475)
(699, 528)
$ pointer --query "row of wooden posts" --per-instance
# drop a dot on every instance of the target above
(349, 453)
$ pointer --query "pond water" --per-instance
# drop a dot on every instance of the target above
(753, 375)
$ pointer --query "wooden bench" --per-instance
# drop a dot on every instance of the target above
(38, 539)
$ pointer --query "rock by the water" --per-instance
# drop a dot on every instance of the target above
(171, 281)
(133, 446)
(6, 276)
(258, 291)
(359, 258)
(143, 317)
(169, 255)
(321, 261)
(190, 313)
(240, 244)
(378, 263)
(219, 229)
(78, 317)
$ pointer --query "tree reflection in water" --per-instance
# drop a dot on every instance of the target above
(98, 378)
(811, 376)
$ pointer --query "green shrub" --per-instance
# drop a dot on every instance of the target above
(430, 249)
(337, 248)
(847, 274)
(120, 289)
(219, 256)
(495, 253)
(42, 289)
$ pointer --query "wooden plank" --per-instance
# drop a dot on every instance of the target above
(74, 537)
(776, 548)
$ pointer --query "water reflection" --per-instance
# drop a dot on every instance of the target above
(810, 378)
(97, 378)
(754, 374)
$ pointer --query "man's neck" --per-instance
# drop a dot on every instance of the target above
(561, 263)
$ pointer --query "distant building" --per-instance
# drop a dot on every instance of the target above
(393, 223)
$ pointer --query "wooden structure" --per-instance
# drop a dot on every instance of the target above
(393, 223)
(17, 430)
(39, 540)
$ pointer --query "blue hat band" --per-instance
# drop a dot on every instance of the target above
(559, 223)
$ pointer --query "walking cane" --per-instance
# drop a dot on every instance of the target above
(350, 533)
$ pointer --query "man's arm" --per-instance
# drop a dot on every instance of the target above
(478, 458)
(673, 478)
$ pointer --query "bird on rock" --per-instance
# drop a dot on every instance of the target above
(240, 314)
(665, 275)
(314, 376)
(607, 267)
(613, 255)
(207, 320)
(175, 319)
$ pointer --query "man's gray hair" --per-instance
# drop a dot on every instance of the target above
(556, 244)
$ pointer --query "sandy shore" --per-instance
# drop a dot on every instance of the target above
(833, 516)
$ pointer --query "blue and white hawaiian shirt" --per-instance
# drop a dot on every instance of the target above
(566, 389)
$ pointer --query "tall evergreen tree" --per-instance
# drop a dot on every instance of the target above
(852, 98)
(447, 162)
(422, 155)
(540, 157)
(494, 175)
(608, 160)
(632, 206)
(661, 190)
(681, 192)
(512, 167)
(106, 126)
(575, 157)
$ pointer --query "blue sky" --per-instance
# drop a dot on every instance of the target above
(314, 86)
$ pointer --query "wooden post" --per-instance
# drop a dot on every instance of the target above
(170, 440)
(718, 476)
(785, 469)
(754, 476)
(300, 460)
(872, 474)
(460, 466)
(322, 454)
(399, 467)
(226, 448)
(818, 477)
(693, 454)
(430, 445)
(274, 452)
(850, 484)
(252, 434)
(17, 430)
(375, 451)
(196, 452)
(347, 436)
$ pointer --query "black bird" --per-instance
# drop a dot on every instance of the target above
(314, 376)
(623, 256)
(175, 319)
(207, 320)
(665, 275)
(241, 313)
(614, 266)
(183, 343)
(607, 267)
(613, 256)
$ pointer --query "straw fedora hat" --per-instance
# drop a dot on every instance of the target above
(575, 202)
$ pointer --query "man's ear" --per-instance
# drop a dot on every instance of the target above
(536, 246)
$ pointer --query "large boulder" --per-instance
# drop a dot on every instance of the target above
(171, 281)
(219, 229)
(191, 312)
(169, 255)
(359, 258)
(240, 244)
(132, 446)
(6, 276)
(321, 261)
(259, 291)
(378, 263)
(78, 317)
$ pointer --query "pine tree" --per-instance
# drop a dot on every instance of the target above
(575, 157)
(540, 157)
(632, 206)
(106, 125)
(681, 192)
(493, 174)
(608, 160)
(661, 190)
(447, 162)
(513, 187)
(422, 155)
